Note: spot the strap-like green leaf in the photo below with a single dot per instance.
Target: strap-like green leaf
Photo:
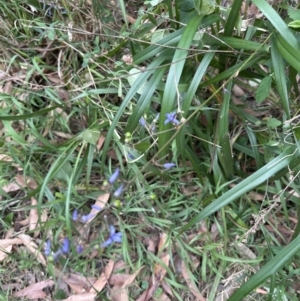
(268, 270)
(277, 22)
(251, 182)
(173, 79)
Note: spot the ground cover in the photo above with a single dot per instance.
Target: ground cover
(149, 150)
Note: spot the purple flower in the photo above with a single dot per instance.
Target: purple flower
(47, 250)
(96, 207)
(169, 165)
(142, 122)
(114, 176)
(79, 249)
(75, 215)
(130, 156)
(57, 254)
(171, 117)
(66, 246)
(118, 192)
(87, 217)
(113, 237)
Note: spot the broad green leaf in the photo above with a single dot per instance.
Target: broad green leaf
(134, 73)
(294, 13)
(263, 89)
(204, 7)
(91, 136)
(142, 146)
(295, 24)
(273, 123)
(186, 5)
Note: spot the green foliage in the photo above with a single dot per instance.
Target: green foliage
(87, 88)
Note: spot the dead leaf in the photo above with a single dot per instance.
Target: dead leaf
(147, 294)
(130, 19)
(8, 87)
(167, 288)
(163, 297)
(88, 281)
(9, 233)
(25, 182)
(6, 158)
(4, 252)
(254, 196)
(162, 242)
(119, 294)
(131, 278)
(6, 246)
(33, 216)
(11, 187)
(100, 202)
(63, 135)
(160, 271)
(261, 291)
(12, 241)
(100, 142)
(82, 297)
(33, 290)
(104, 277)
(118, 279)
(214, 232)
(190, 283)
(76, 284)
(244, 251)
(120, 265)
(24, 222)
(32, 248)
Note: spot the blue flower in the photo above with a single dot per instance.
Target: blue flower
(87, 217)
(96, 207)
(130, 156)
(114, 176)
(169, 165)
(171, 117)
(118, 192)
(66, 246)
(57, 254)
(113, 237)
(142, 122)
(79, 249)
(47, 250)
(75, 215)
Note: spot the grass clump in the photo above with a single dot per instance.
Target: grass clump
(149, 150)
